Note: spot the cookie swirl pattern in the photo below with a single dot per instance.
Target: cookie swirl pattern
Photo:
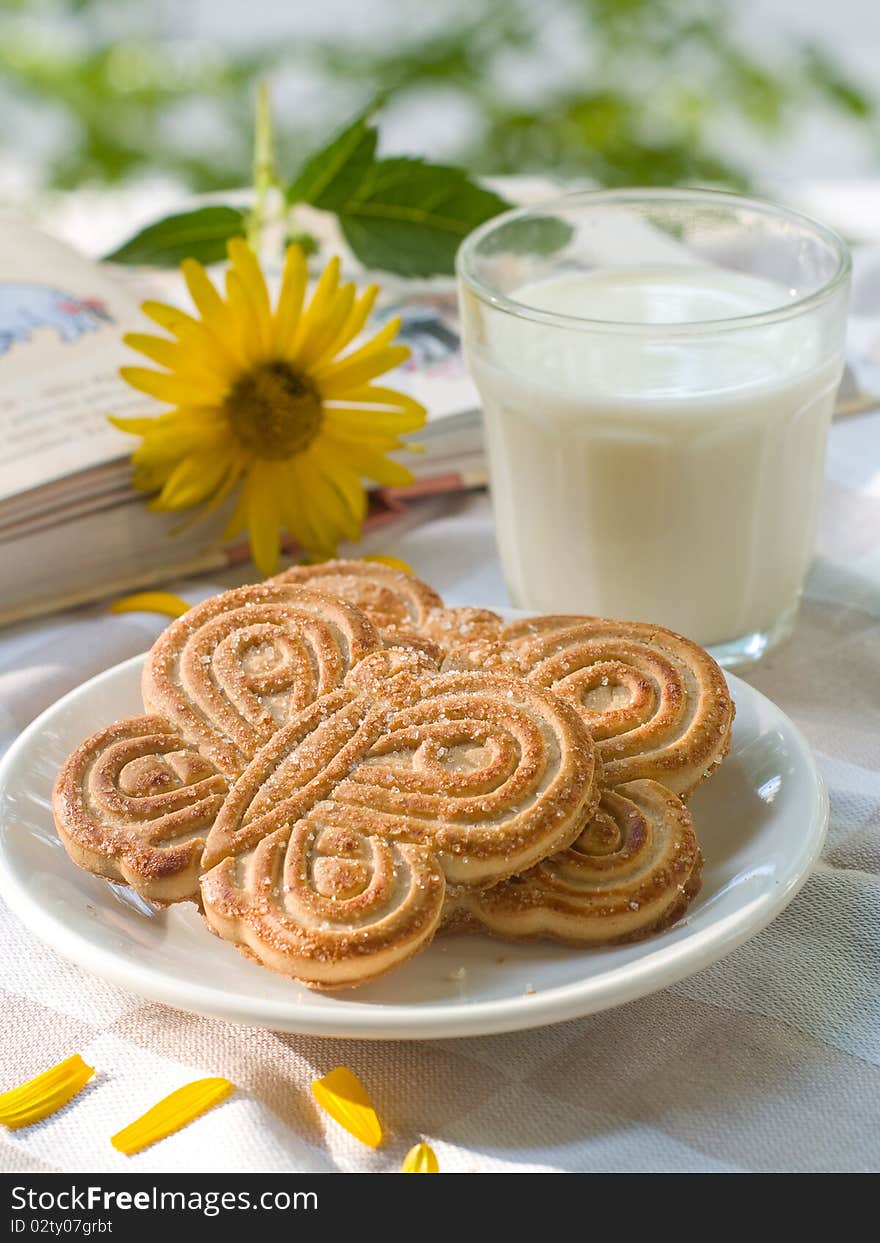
(632, 872)
(390, 598)
(490, 772)
(234, 669)
(219, 682)
(466, 778)
(325, 903)
(134, 803)
(657, 705)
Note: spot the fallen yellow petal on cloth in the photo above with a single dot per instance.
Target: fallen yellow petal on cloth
(171, 1114)
(395, 563)
(151, 602)
(421, 1159)
(45, 1093)
(342, 1095)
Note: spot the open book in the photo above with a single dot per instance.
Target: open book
(72, 528)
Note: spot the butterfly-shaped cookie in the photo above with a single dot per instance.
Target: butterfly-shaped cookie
(317, 790)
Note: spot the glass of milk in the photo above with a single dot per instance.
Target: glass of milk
(657, 370)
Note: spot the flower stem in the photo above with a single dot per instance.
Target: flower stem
(264, 166)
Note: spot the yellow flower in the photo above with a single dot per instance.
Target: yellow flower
(421, 1159)
(45, 1093)
(345, 1099)
(276, 403)
(171, 1114)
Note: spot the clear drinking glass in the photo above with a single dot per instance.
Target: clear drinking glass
(657, 370)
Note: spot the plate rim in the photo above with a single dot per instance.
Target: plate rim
(457, 1018)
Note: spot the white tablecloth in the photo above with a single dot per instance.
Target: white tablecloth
(769, 1060)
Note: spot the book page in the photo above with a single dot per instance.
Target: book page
(62, 317)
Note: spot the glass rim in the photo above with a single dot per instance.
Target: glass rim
(464, 261)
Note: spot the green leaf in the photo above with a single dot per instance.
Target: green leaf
(409, 217)
(201, 234)
(332, 175)
(840, 90)
(307, 242)
(402, 215)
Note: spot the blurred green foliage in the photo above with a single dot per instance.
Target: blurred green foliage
(622, 91)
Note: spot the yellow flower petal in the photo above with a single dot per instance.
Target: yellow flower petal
(162, 456)
(370, 395)
(245, 263)
(247, 325)
(335, 380)
(320, 302)
(203, 291)
(325, 330)
(352, 324)
(348, 503)
(323, 519)
(192, 363)
(370, 465)
(381, 341)
(132, 426)
(169, 386)
(44, 1094)
(348, 500)
(171, 318)
(292, 509)
(217, 323)
(181, 447)
(264, 529)
(149, 478)
(186, 420)
(151, 602)
(393, 423)
(383, 338)
(226, 485)
(395, 563)
(301, 509)
(158, 349)
(259, 510)
(342, 1095)
(290, 299)
(421, 1159)
(171, 1113)
(343, 501)
(194, 480)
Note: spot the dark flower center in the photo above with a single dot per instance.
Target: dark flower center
(273, 410)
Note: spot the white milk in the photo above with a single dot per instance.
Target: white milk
(671, 478)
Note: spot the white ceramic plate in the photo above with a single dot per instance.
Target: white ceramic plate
(761, 822)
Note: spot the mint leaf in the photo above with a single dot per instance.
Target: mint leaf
(201, 234)
(332, 175)
(402, 215)
(408, 216)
